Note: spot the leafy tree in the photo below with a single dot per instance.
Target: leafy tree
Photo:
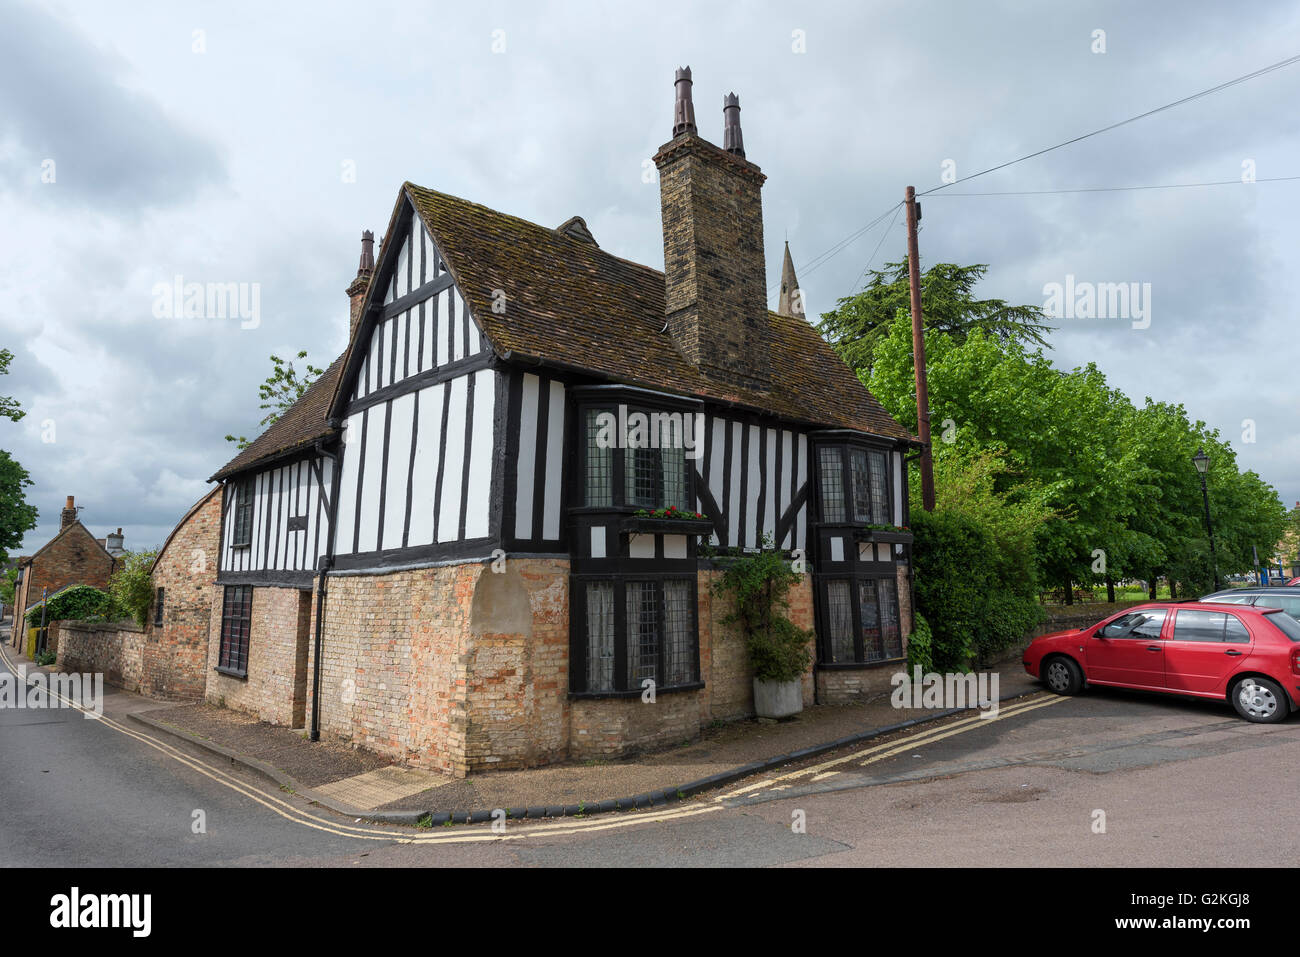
(282, 388)
(948, 305)
(130, 585)
(1124, 499)
(17, 518)
(9, 406)
(8, 584)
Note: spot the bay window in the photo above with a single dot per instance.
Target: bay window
(854, 485)
(635, 457)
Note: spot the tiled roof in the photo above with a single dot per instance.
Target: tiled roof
(571, 303)
(301, 426)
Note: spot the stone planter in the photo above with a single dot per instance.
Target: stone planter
(777, 699)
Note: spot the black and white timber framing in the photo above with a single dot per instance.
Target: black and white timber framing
(450, 452)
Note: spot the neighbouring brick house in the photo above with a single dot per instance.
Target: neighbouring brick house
(72, 557)
(176, 634)
(462, 495)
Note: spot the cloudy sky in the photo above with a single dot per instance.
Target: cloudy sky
(251, 143)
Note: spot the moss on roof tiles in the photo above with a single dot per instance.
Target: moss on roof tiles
(569, 302)
(572, 303)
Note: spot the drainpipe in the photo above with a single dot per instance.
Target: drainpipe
(321, 590)
(326, 563)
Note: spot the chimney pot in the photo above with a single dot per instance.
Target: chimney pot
(732, 141)
(684, 110)
(365, 269)
(367, 252)
(68, 515)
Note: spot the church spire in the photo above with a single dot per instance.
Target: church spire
(791, 301)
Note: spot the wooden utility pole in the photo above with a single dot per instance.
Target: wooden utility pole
(918, 353)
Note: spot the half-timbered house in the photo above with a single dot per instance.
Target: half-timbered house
(465, 519)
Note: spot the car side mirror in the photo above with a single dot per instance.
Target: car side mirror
(1100, 633)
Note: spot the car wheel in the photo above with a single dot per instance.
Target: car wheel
(1063, 676)
(1260, 700)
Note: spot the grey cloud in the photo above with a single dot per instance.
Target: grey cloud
(112, 147)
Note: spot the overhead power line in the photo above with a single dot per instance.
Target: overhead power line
(1124, 189)
(1132, 119)
(812, 265)
(880, 242)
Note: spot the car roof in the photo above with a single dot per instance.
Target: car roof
(1194, 602)
(1255, 590)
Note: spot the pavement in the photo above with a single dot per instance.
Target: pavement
(363, 785)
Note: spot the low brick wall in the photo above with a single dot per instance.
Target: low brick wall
(128, 658)
(1064, 617)
(114, 650)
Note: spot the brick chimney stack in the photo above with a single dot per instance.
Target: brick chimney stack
(69, 514)
(714, 266)
(365, 269)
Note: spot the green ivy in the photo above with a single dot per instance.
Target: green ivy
(920, 645)
(759, 584)
(77, 603)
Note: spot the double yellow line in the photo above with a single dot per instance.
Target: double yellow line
(887, 750)
(568, 826)
(304, 817)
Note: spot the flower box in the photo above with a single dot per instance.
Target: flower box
(885, 536)
(667, 526)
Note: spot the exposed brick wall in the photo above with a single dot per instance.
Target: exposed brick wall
(395, 662)
(274, 658)
(186, 571)
(462, 669)
(517, 679)
(72, 557)
(117, 651)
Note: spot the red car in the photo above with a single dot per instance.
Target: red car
(1247, 654)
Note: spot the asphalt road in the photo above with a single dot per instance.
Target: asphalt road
(1179, 782)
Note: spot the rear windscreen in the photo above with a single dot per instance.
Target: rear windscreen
(1285, 624)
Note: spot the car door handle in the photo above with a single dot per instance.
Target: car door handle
(1153, 647)
(1231, 652)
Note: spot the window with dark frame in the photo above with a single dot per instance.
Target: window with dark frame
(660, 639)
(242, 534)
(600, 465)
(854, 485)
(642, 476)
(236, 621)
(158, 606)
(861, 621)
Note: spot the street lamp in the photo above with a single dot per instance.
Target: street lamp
(1202, 463)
